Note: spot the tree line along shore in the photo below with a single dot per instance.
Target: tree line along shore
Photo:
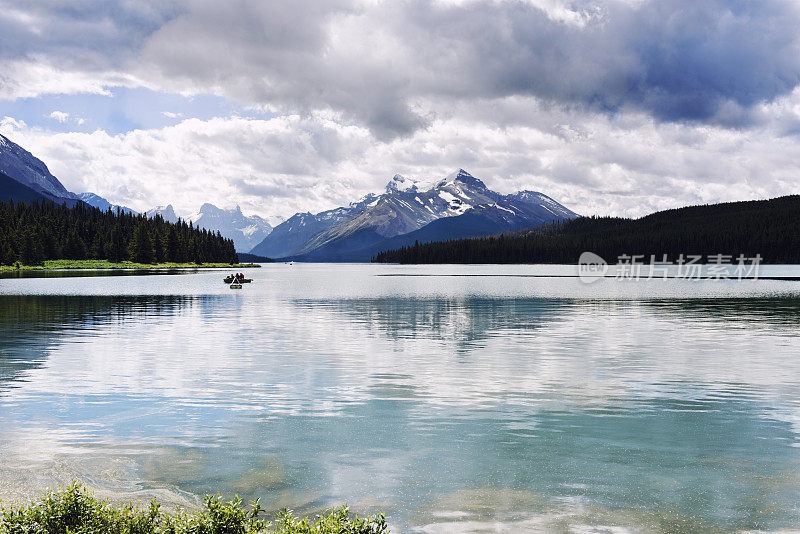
(767, 228)
(34, 233)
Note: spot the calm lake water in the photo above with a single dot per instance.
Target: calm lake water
(453, 402)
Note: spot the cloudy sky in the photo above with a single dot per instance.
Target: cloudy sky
(610, 106)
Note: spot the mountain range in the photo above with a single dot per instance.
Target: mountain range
(459, 205)
(246, 231)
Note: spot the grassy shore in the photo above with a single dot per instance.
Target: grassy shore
(73, 510)
(105, 264)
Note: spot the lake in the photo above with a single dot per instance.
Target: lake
(454, 398)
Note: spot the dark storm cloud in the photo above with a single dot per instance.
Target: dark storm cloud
(697, 56)
(680, 60)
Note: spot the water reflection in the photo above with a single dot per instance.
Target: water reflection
(472, 318)
(83, 273)
(30, 325)
(777, 314)
(463, 321)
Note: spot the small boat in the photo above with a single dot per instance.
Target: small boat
(236, 286)
(230, 280)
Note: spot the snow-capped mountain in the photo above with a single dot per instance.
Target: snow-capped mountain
(246, 232)
(22, 166)
(291, 235)
(400, 183)
(99, 202)
(467, 207)
(167, 213)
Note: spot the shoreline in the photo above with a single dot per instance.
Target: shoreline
(59, 265)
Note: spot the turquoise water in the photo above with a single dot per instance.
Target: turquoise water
(453, 402)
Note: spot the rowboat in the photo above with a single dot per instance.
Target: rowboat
(231, 279)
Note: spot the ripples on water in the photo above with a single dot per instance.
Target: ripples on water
(456, 404)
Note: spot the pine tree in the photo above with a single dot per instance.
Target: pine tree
(172, 250)
(140, 249)
(75, 247)
(32, 250)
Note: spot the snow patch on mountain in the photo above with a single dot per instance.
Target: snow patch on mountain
(401, 184)
(461, 178)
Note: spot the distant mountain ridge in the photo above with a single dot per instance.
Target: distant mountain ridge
(460, 205)
(99, 202)
(246, 231)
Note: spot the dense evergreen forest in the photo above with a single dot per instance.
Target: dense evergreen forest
(770, 228)
(34, 232)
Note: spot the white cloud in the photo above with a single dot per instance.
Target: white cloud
(63, 117)
(60, 116)
(11, 124)
(29, 79)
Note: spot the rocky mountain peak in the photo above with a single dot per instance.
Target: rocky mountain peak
(400, 183)
(462, 177)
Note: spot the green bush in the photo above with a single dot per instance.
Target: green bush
(74, 510)
(336, 520)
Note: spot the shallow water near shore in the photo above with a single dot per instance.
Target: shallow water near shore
(454, 398)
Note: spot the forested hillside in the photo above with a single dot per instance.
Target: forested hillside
(770, 228)
(38, 231)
